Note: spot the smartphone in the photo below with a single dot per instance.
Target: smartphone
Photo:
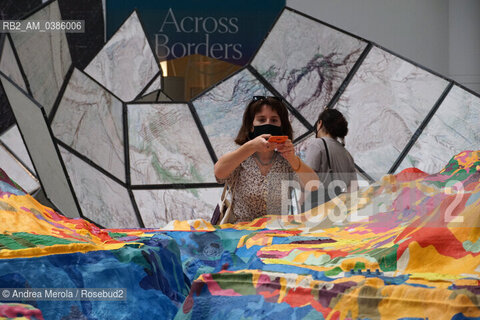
(278, 139)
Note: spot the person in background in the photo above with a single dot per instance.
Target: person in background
(329, 158)
(257, 167)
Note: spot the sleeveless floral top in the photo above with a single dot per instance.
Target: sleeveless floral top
(254, 194)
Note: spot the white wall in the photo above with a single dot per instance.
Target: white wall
(464, 46)
(442, 35)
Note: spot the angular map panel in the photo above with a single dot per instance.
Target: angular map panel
(13, 141)
(454, 127)
(385, 103)
(39, 142)
(101, 199)
(306, 61)
(126, 63)
(9, 65)
(158, 207)
(90, 120)
(44, 56)
(166, 146)
(17, 172)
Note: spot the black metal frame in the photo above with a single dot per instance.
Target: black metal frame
(59, 98)
(17, 158)
(349, 76)
(290, 108)
(3, 39)
(142, 93)
(203, 133)
(35, 10)
(430, 113)
(26, 16)
(420, 129)
(17, 58)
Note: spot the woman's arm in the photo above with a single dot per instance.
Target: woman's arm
(308, 178)
(230, 161)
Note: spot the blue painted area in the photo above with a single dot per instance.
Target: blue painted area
(244, 307)
(150, 273)
(460, 316)
(5, 187)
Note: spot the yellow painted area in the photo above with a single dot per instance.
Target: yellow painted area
(428, 258)
(434, 303)
(57, 249)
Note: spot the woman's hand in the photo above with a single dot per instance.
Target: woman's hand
(261, 144)
(287, 151)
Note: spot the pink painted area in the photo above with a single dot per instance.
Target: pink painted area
(272, 254)
(14, 311)
(463, 156)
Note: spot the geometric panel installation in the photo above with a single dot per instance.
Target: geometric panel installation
(306, 61)
(166, 146)
(15, 161)
(12, 139)
(31, 119)
(16, 171)
(10, 66)
(454, 127)
(101, 199)
(384, 104)
(159, 207)
(221, 108)
(44, 56)
(126, 64)
(156, 85)
(90, 120)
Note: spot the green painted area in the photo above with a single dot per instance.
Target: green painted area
(45, 240)
(270, 73)
(313, 315)
(472, 247)
(359, 266)
(22, 240)
(386, 257)
(8, 243)
(240, 283)
(130, 253)
(170, 177)
(317, 261)
(230, 239)
(333, 272)
(6, 207)
(116, 235)
(461, 175)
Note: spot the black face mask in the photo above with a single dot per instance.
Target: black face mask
(265, 129)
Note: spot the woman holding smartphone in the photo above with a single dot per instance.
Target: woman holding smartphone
(258, 166)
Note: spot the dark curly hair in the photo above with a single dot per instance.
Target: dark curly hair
(253, 108)
(334, 123)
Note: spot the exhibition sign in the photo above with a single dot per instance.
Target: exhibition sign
(226, 30)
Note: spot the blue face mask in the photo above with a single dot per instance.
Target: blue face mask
(265, 129)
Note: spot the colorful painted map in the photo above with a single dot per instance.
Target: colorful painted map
(406, 247)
